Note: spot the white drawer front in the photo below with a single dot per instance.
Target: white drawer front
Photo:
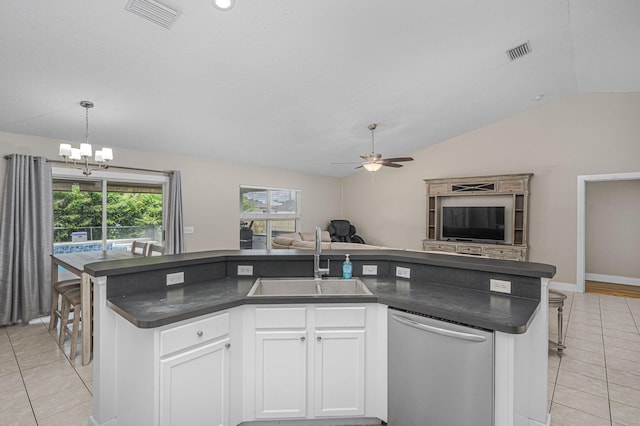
(341, 317)
(281, 317)
(184, 336)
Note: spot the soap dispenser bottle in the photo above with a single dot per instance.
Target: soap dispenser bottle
(347, 267)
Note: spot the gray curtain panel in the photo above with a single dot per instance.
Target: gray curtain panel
(174, 225)
(26, 240)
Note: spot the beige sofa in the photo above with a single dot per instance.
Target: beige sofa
(307, 240)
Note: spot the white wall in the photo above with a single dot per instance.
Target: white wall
(210, 188)
(580, 135)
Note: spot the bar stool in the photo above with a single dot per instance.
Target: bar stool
(556, 300)
(71, 299)
(58, 288)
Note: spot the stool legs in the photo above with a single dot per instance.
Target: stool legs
(53, 319)
(66, 310)
(71, 298)
(560, 345)
(74, 333)
(556, 300)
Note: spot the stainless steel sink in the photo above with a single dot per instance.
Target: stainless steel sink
(265, 287)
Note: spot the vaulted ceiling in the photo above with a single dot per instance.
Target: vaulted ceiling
(293, 84)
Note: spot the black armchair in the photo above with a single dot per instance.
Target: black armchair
(343, 231)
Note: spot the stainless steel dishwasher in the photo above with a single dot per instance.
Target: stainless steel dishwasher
(440, 373)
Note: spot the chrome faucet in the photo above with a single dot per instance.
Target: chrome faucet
(318, 272)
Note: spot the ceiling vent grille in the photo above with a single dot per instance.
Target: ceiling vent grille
(519, 51)
(154, 11)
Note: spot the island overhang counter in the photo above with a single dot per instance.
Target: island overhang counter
(452, 288)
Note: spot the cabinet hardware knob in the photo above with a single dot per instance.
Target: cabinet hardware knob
(319, 338)
(227, 345)
(200, 333)
(302, 339)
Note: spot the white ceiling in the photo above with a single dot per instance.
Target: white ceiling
(293, 84)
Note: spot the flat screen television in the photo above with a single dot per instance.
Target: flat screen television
(482, 224)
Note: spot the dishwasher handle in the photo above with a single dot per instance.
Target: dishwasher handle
(437, 330)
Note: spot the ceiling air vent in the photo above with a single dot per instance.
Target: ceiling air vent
(154, 11)
(519, 51)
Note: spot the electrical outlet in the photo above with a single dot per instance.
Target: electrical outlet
(245, 270)
(403, 272)
(500, 286)
(175, 278)
(188, 230)
(369, 269)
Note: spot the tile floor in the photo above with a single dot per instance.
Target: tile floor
(38, 383)
(596, 382)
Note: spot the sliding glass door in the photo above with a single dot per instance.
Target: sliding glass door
(93, 215)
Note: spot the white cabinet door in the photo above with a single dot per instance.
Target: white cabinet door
(194, 386)
(339, 373)
(281, 374)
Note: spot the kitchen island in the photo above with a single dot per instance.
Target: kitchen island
(159, 334)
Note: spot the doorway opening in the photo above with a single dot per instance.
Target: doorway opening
(581, 219)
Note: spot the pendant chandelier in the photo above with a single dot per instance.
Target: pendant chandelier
(78, 158)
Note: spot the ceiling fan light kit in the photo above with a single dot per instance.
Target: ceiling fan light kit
(372, 167)
(374, 161)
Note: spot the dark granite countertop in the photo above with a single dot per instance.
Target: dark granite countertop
(481, 309)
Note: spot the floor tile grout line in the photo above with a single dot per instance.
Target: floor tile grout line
(61, 348)
(22, 378)
(632, 316)
(20, 369)
(593, 415)
(560, 362)
(606, 373)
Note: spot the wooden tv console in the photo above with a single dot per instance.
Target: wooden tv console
(515, 185)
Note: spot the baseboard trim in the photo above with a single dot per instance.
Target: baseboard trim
(557, 285)
(615, 279)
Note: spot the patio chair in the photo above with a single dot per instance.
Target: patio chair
(138, 247)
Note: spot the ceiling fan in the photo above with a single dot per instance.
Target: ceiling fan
(374, 161)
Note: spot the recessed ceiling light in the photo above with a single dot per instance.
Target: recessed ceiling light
(223, 5)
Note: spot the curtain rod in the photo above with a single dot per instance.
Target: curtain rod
(166, 172)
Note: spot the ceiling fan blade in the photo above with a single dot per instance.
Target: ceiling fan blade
(360, 166)
(391, 165)
(397, 159)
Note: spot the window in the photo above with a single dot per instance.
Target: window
(265, 213)
(81, 223)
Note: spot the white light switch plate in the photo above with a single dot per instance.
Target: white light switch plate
(403, 272)
(369, 269)
(188, 230)
(500, 286)
(175, 278)
(245, 270)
